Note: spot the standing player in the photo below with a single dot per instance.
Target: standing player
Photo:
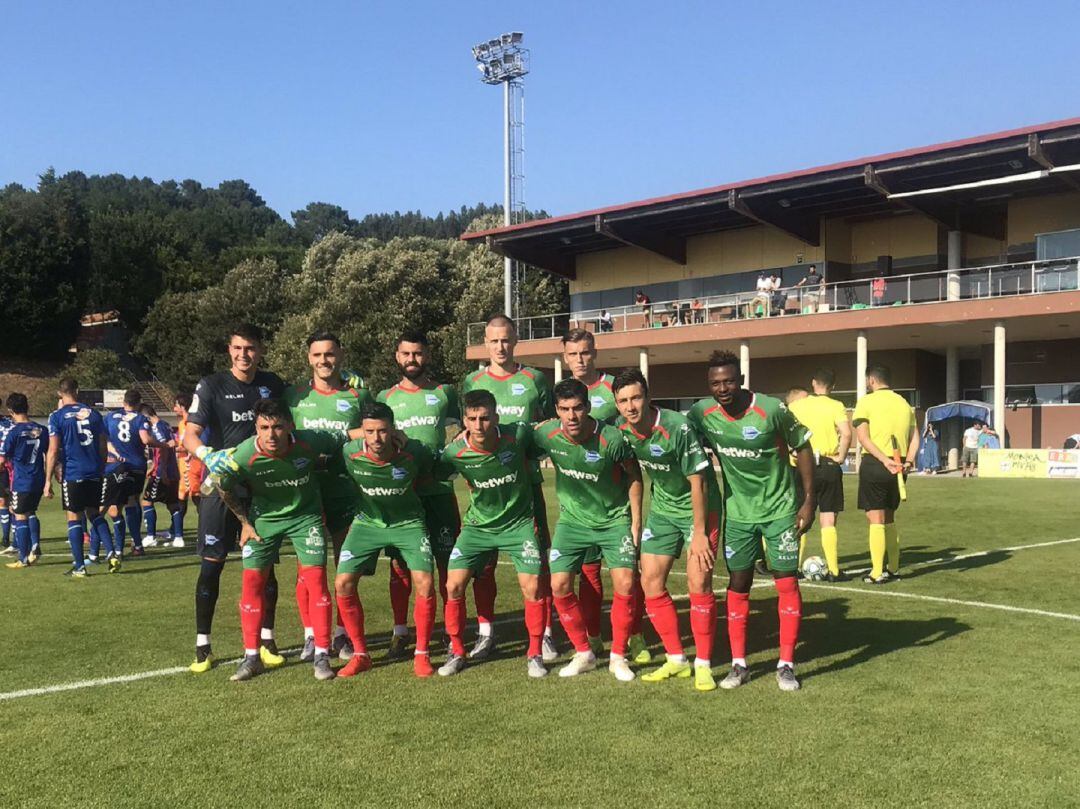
(885, 425)
(598, 483)
(495, 462)
(423, 409)
(125, 471)
(277, 468)
(223, 405)
(830, 439)
(390, 519)
(77, 432)
(751, 434)
(23, 452)
(327, 402)
(163, 480)
(579, 357)
(192, 470)
(685, 508)
(522, 395)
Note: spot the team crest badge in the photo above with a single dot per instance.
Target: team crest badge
(750, 433)
(301, 463)
(431, 399)
(597, 401)
(656, 450)
(517, 389)
(128, 416)
(506, 457)
(343, 406)
(264, 392)
(84, 413)
(554, 555)
(346, 556)
(398, 473)
(592, 456)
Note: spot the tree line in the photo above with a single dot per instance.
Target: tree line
(180, 261)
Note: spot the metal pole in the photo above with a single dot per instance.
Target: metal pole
(508, 264)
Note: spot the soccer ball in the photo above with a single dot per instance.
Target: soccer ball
(814, 568)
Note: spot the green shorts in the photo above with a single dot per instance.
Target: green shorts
(443, 521)
(573, 543)
(476, 548)
(742, 544)
(308, 541)
(339, 513)
(364, 543)
(666, 536)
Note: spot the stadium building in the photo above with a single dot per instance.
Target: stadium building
(954, 264)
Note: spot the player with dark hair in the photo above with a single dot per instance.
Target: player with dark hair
(77, 435)
(390, 519)
(579, 357)
(423, 409)
(598, 483)
(277, 467)
(328, 402)
(752, 435)
(523, 396)
(125, 472)
(830, 438)
(162, 480)
(22, 450)
(885, 426)
(222, 409)
(495, 462)
(685, 509)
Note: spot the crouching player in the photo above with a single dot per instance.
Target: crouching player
(598, 484)
(751, 435)
(390, 519)
(685, 508)
(277, 467)
(22, 451)
(496, 462)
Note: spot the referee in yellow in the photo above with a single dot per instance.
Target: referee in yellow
(830, 438)
(884, 423)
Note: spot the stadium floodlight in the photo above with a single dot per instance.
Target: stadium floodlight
(504, 61)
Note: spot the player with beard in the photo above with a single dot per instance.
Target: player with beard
(329, 403)
(423, 409)
(579, 358)
(222, 410)
(522, 396)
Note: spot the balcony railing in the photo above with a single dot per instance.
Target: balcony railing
(999, 280)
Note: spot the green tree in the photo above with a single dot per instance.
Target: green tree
(99, 368)
(319, 219)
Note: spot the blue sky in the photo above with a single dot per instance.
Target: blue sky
(377, 106)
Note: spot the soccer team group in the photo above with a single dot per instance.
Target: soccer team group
(328, 468)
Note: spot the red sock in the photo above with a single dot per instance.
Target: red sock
(738, 608)
(424, 618)
(322, 614)
(591, 597)
(534, 625)
(484, 592)
(666, 622)
(302, 600)
(703, 623)
(351, 613)
(572, 621)
(400, 589)
(455, 624)
(637, 608)
(789, 608)
(251, 606)
(622, 618)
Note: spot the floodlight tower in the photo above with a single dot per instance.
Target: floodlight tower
(504, 61)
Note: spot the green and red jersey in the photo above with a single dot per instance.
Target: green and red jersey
(590, 480)
(423, 414)
(523, 397)
(285, 492)
(752, 448)
(602, 400)
(669, 450)
(387, 489)
(338, 411)
(500, 486)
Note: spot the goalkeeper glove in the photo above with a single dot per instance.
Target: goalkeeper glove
(218, 461)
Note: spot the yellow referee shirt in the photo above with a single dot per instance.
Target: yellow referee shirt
(890, 418)
(821, 414)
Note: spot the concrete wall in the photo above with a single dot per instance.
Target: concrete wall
(1033, 215)
(1041, 427)
(1032, 363)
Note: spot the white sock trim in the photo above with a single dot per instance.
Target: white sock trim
(319, 650)
(309, 632)
(702, 663)
(483, 628)
(202, 640)
(266, 633)
(739, 661)
(400, 630)
(780, 664)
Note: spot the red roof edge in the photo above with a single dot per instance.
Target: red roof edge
(701, 192)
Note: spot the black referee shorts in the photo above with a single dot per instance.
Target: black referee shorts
(878, 487)
(219, 530)
(828, 486)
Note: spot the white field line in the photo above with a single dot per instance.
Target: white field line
(946, 559)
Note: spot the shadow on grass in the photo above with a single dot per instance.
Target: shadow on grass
(957, 565)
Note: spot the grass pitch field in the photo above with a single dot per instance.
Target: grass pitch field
(954, 687)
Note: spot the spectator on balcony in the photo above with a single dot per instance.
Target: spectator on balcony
(697, 311)
(760, 305)
(877, 290)
(605, 321)
(645, 302)
(812, 287)
(778, 295)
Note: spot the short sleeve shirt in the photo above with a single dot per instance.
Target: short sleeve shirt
(889, 418)
(821, 415)
(423, 414)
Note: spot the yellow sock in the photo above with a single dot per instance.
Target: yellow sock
(877, 550)
(892, 547)
(830, 544)
(802, 550)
